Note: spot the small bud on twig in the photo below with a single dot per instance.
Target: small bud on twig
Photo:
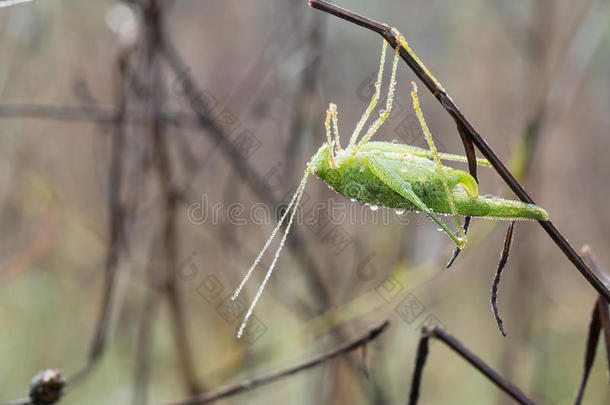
(46, 388)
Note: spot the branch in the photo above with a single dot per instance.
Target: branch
(116, 222)
(600, 322)
(153, 18)
(438, 333)
(95, 113)
(467, 130)
(247, 385)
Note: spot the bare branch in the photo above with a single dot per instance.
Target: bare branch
(115, 209)
(95, 113)
(247, 385)
(153, 17)
(455, 345)
(494, 288)
(600, 321)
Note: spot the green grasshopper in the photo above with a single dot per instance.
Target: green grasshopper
(403, 177)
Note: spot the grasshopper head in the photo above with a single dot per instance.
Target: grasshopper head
(321, 160)
(324, 168)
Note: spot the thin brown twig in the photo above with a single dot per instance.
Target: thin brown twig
(153, 14)
(455, 345)
(599, 323)
(247, 385)
(94, 113)
(590, 351)
(468, 130)
(494, 287)
(116, 239)
(142, 371)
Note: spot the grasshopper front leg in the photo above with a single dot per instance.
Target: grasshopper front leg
(393, 180)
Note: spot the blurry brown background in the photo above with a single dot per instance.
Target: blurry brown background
(532, 76)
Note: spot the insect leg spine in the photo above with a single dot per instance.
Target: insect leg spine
(333, 110)
(329, 113)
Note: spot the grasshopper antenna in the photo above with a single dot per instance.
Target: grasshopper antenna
(298, 195)
(291, 209)
(270, 239)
